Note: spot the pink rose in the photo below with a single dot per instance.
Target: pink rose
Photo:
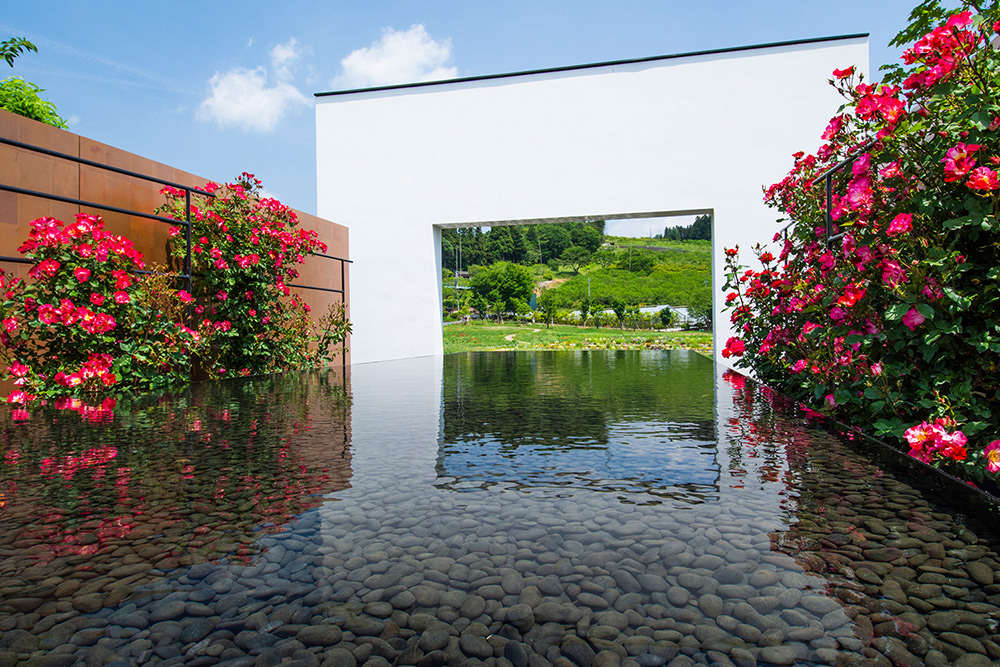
(913, 319)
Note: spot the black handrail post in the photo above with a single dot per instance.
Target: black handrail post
(829, 201)
(343, 343)
(187, 242)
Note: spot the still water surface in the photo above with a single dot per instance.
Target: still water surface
(600, 508)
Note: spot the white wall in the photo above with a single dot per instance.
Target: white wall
(700, 132)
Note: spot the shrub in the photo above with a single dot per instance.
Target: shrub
(86, 323)
(22, 97)
(891, 326)
(245, 249)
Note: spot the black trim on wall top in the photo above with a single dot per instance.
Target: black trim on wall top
(570, 68)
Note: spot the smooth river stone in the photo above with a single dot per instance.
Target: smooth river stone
(711, 605)
(520, 616)
(475, 646)
(678, 596)
(980, 572)
(433, 639)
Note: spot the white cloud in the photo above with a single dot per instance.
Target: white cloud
(400, 56)
(243, 98)
(282, 57)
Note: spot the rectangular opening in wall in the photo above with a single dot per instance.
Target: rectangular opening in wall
(579, 283)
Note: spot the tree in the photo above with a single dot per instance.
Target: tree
(637, 261)
(605, 257)
(547, 306)
(668, 318)
(620, 307)
(575, 256)
(506, 244)
(700, 308)
(13, 47)
(700, 229)
(505, 286)
(584, 311)
(554, 240)
(20, 96)
(586, 236)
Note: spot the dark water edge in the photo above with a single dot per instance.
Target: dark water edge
(600, 508)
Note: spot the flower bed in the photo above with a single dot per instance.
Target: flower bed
(90, 321)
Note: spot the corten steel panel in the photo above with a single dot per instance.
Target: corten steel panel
(27, 169)
(104, 186)
(36, 172)
(323, 272)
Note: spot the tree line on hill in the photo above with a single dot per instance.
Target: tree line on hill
(593, 275)
(527, 245)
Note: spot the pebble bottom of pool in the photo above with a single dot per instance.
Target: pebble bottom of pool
(567, 508)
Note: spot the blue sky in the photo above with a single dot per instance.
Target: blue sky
(216, 88)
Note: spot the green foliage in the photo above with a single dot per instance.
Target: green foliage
(13, 47)
(586, 236)
(532, 244)
(584, 310)
(893, 328)
(640, 261)
(605, 257)
(547, 306)
(502, 288)
(21, 97)
(245, 249)
(700, 229)
(575, 256)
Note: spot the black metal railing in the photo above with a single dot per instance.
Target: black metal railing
(188, 190)
(827, 178)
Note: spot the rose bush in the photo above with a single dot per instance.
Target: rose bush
(245, 251)
(86, 322)
(890, 323)
(90, 321)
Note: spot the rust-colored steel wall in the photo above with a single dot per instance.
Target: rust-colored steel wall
(30, 170)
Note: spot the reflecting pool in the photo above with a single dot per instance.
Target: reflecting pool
(511, 508)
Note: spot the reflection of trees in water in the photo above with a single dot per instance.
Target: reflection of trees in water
(557, 395)
(175, 480)
(588, 419)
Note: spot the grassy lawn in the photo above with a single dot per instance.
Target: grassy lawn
(490, 336)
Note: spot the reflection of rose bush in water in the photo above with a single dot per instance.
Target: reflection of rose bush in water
(176, 482)
(853, 529)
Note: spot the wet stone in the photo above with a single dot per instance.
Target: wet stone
(433, 639)
(475, 646)
(711, 605)
(578, 650)
(521, 617)
(319, 635)
(778, 655)
(980, 572)
(678, 596)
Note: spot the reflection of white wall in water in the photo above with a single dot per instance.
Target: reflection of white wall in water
(395, 416)
(678, 135)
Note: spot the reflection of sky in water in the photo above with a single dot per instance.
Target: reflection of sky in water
(643, 456)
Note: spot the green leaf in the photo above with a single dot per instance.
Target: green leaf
(956, 223)
(896, 311)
